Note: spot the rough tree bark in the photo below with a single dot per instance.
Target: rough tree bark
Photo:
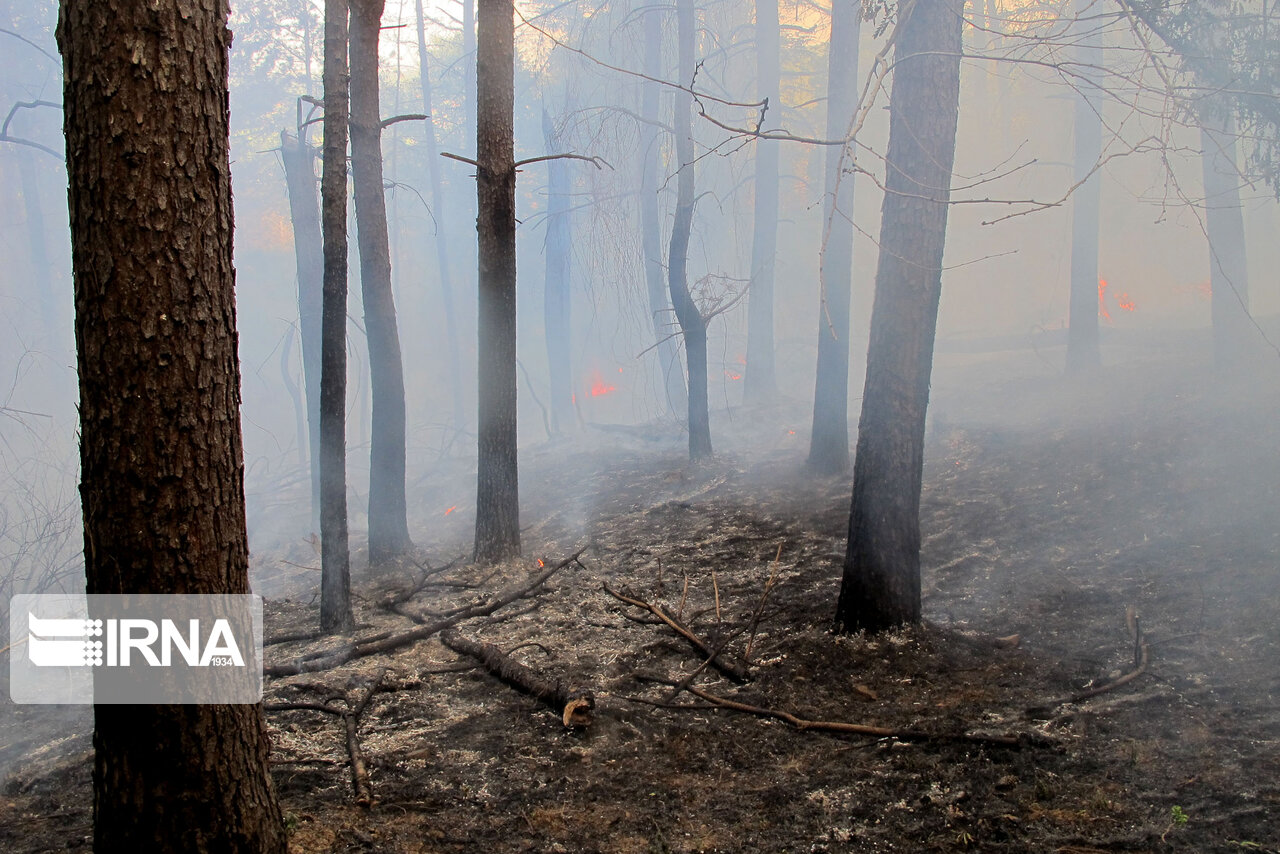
(443, 226)
(162, 470)
(335, 554)
(692, 324)
(672, 379)
(556, 301)
(829, 437)
(881, 585)
(760, 382)
(1082, 332)
(497, 481)
(308, 249)
(388, 513)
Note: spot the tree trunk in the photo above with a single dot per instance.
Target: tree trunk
(556, 295)
(308, 250)
(1082, 333)
(443, 227)
(497, 483)
(38, 246)
(829, 439)
(388, 525)
(335, 555)
(881, 586)
(162, 467)
(672, 378)
(692, 325)
(760, 382)
(1224, 222)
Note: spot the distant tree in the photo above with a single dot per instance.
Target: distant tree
(556, 279)
(829, 440)
(761, 380)
(693, 326)
(1082, 332)
(335, 554)
(650, 227)
(497, 484)
(388, 519)
(881, 585)
(162, 471)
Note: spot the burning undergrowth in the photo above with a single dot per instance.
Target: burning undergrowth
(1041, 532)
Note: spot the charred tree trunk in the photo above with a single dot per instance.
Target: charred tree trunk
(557, 277)
(829, 440)
(388, 514)
(497, 483)
(692, 324)
(1224, 222)
(1082, 333)
(761, 381)
(442, 227)
(881, 586)
(335, 554)
(162, 471)
(308, 250)
(651, 228)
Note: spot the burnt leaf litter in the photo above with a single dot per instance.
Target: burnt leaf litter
(1050, 534)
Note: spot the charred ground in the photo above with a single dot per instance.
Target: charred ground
(1050, 507)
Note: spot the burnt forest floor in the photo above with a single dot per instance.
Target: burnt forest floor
(1051, 507)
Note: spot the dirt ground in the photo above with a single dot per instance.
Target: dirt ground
(1050, 508)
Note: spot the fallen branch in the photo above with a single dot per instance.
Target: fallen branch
(735, 671)
(370, 646)
(1141, 658)
(575, 705)
(1018, 740)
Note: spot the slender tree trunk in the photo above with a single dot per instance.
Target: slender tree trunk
(1224, 222)
(497, 485)
(1082, 333)
(761, 379)
(881, 586)
(308, 250)
(651, 228)
(162, 466)
(557, 276)
(335, 555)
(388, 525)
(692, 325)
(443, 228)
(829, 440)
(38, 246)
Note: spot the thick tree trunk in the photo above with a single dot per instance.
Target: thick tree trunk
(443, 227)
(1224, 222)
(664, 323)
(692, 325)
(881, 586)
(556, 300)
(1082, 334)
(162, 470)
(388, 520)
(308, 250)
(335, 555)
(829, 440)
(497, 483)
(761, 382)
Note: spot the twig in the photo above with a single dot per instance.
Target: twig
(1142, 657)
(734, 671)
(764, 597)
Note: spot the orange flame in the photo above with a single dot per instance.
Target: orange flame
(598, 385)
(540, 563)
(1102, 300)
(451, 509)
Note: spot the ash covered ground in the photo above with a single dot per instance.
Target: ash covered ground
(1051, 508)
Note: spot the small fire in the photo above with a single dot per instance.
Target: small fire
(1123, 301)
(731, 375)
(540, 563)
(598, 385)
(451, 509)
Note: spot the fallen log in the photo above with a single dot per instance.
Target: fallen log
(575, 705)
(1015, 741)
(387, 643)
(735, 671)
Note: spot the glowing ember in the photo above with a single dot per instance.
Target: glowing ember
(451, 509)
(598, 386)
(540, 563)
(732, 375)
(1122, 299)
